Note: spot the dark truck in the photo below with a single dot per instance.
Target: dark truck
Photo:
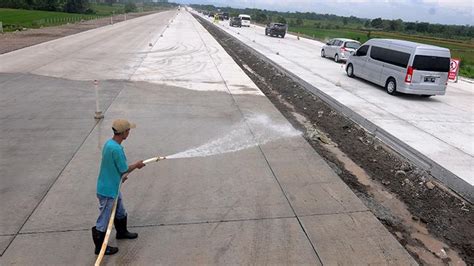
(235, 22)
(276, 29)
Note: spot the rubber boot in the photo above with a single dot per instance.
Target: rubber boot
(121, 227)
(98, 238)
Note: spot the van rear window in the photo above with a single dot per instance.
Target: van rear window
(245, 18)
(431, 63)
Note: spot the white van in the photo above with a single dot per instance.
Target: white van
(402, 66)
(245, 20)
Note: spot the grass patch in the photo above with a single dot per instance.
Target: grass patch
(17, 19)
(107, 10)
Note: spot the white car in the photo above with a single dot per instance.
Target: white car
(340, 49)
(245, 20)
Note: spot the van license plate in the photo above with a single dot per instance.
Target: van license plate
(430, 79)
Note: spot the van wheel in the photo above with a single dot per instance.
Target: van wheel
(391, 86)
(323, 54)
(350, 70)
(336, 58)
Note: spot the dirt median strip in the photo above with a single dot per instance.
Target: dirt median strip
(431, 222)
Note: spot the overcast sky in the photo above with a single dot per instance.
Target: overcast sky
(459, 12)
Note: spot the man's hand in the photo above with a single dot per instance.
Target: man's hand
(136, 165)
(139, 164)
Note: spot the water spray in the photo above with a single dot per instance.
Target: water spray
(254, 131)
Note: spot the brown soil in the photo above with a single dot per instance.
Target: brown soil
(432, 223)
(11, 41)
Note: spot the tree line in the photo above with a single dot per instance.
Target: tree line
(69, 6)
(328, 21)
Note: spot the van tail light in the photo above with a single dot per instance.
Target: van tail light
(343, 49)
(409, 75)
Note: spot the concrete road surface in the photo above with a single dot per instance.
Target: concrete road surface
(273, 203)
(436, 133)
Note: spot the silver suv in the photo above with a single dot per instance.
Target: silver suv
(339, 48)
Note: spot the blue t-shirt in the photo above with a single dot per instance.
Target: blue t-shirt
(112, 167)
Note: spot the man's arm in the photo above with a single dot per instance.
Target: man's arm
(121, 163)
(136, 165)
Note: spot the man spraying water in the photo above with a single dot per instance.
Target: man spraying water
(112, 168)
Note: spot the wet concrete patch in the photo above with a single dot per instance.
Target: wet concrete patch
(44, 122)
(169, 119)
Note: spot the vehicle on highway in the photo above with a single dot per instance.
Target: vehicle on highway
(225, 15)
(220, 16)
(340, 49)
(402, 66)
(276, 29)
(235, 22)
(245, 20)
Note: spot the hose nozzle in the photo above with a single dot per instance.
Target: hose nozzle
(154, 159)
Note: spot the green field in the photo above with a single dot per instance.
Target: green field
(117, 8)
(106, 10)
(459, 49)
(17, 19)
